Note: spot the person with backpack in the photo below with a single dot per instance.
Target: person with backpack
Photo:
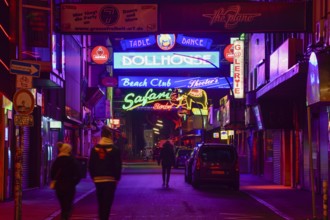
(105, 166)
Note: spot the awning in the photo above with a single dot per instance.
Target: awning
(289, 85)
(48, 80)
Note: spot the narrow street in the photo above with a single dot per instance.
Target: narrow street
(140, 195)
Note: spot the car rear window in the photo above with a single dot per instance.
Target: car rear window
(217, 154)
(184, 152)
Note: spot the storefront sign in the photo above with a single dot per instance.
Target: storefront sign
(138, 42)
(165, 60)
(173, 82)
(100, 54)
(194, 42)
(36, 27)
(132, 100)
(82, 18)
(228, 53)
(238, 77)
(239, 17)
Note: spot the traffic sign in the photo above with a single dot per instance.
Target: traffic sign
(23, 82)
(23, 120)
(23, 102)
(24, 68)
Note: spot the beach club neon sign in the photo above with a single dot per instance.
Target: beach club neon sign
(174, 82)
(165, 60)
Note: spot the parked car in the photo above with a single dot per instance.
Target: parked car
(181, 156)
(215, 163)
(188, 165)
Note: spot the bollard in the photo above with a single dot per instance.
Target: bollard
(325, 199)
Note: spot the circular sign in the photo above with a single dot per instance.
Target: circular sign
(23, 102)
(229, 53)
(166, 41)
(100, 54)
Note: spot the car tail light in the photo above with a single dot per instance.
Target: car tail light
(198, 163)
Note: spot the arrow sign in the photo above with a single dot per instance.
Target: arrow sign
(24, 68)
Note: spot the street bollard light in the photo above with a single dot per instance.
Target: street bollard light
(325, 199)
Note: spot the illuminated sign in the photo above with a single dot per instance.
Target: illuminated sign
(100, 54)
(175, 99)
(164, 60)
(166, 41)
(55, 124)
(194, 42)
(238, 87)
(138, 42)
(228, 53)
(132, 100)
(173, 82)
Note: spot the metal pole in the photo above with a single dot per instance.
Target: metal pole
(18, 173)
(311, 168)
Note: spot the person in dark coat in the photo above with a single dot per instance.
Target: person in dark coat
(167, 159)
(66, 171)
(105, 166)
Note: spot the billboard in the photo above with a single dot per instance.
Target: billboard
(95, 18)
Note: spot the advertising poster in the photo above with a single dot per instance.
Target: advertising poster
(94, 18)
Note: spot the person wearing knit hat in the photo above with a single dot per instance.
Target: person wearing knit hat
(105, 165)
(66, 173)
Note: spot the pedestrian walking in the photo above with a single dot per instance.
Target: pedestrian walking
(167, 159)
(65, 174)
(105, 169)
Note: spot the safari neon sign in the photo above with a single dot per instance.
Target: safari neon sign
(166, 60)
(132, 100)
(174, 98)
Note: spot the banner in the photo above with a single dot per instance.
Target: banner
(94, 18)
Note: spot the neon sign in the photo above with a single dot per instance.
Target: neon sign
(100, 54)
(175, 99)
(194, 42)
(238, 69)
(173, 82)
(132, 100)
(138, 42)
(165, 60)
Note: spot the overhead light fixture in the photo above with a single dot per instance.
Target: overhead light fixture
(159, 125)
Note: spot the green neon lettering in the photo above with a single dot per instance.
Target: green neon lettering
(131, 101)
